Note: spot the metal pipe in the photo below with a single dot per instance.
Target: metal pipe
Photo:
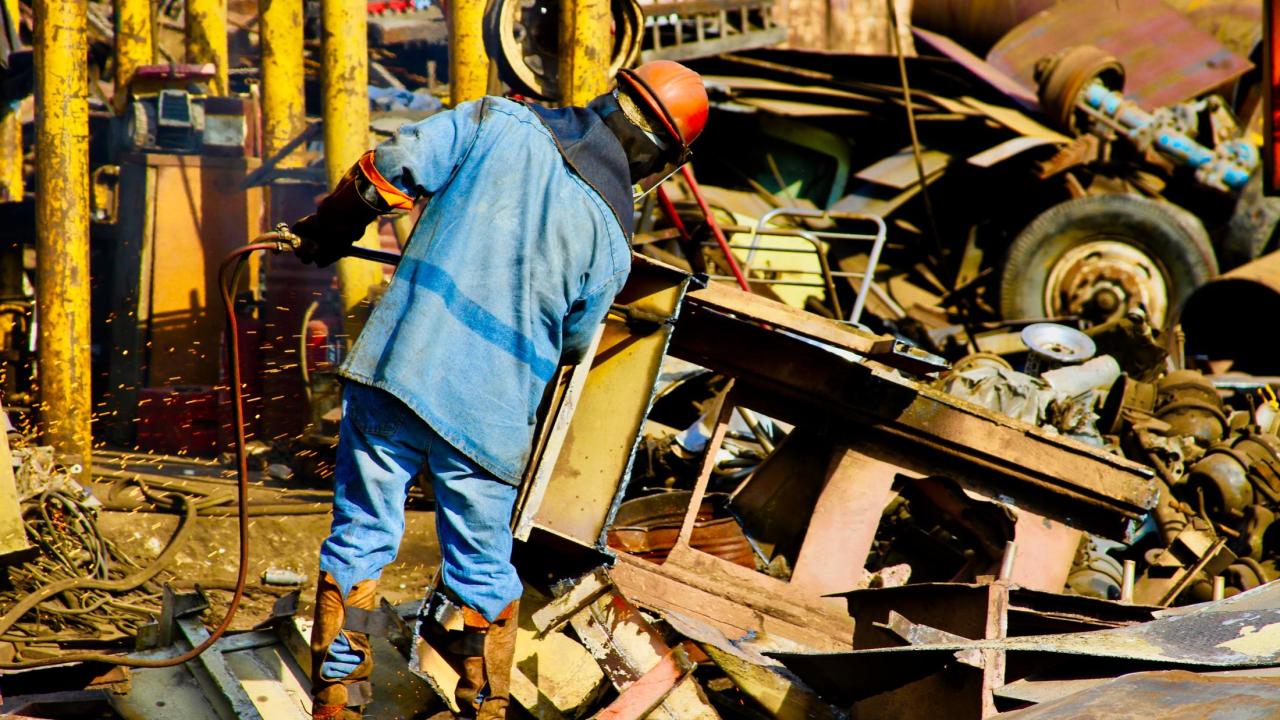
(586, 42)
(62, 226)
(11, 181)
(284, 114)
(710, 217)
(345, 86)
(468, 62)
(134, 46)
(207, 38)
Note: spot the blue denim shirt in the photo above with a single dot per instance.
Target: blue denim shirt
(508, 273)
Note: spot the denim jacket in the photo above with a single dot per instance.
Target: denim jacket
(508, 273)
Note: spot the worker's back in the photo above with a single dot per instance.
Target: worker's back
(515, 260)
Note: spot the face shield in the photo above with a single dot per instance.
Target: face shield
(673, 152)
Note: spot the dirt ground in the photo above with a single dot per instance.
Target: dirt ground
(275, 542)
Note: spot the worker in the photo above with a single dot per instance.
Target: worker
(518, 254)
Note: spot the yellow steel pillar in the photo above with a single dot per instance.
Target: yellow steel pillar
(468, 62)
(284, 114)
(585, 48)
(10, 141)
(133, 44)
(62, 224)
(207, 38)
(11, 188)
(345, 60)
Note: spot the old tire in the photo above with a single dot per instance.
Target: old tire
(1098, 255)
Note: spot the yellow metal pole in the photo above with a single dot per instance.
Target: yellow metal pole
(207, 38)
(468, 62)
(134, 46)
(585, 49)
(345, 59)
(62, 224)
(11, 188)
(284, 114)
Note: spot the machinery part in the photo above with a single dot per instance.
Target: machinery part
(1221, 319)
(1081, 90)
(1237, 483)
(1099, 256)
(1171, 131)
(1189, 403)
(1052, 346)
(523, 38)
(1062, 79)
(1129, 396)
(1095, 573)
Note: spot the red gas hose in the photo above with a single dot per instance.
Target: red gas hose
(274, 241)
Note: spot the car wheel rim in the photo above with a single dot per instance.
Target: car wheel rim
(1101, 278)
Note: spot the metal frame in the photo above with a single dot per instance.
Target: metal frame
(814, 237)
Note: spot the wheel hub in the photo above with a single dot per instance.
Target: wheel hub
(1098, 279)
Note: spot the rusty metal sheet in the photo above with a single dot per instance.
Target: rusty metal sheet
(1167, 59)
(981, 69)
(1170, 695)
(1209, 638)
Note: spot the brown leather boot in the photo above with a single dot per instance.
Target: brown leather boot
(481, 652)
(499, 655)
(343, 698)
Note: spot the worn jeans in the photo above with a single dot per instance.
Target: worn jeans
(381, 446)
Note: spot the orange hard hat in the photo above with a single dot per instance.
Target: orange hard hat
(673, 93)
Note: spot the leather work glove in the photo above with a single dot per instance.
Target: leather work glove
(341, 217)
(324, 239)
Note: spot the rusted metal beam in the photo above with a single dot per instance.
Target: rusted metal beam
(62, 225)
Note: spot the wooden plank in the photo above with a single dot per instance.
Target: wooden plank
(645, 694)
(731, 301)
(627, 647)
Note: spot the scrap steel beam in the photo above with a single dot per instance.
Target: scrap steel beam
(62, 225)
(345, 61)
(912, 425)
(207, 38)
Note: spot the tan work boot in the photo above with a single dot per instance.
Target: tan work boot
(481, 652)
(343, 698)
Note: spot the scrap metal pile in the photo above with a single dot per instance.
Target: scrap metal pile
(985, 429)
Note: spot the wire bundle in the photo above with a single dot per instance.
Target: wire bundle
(75, 554)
